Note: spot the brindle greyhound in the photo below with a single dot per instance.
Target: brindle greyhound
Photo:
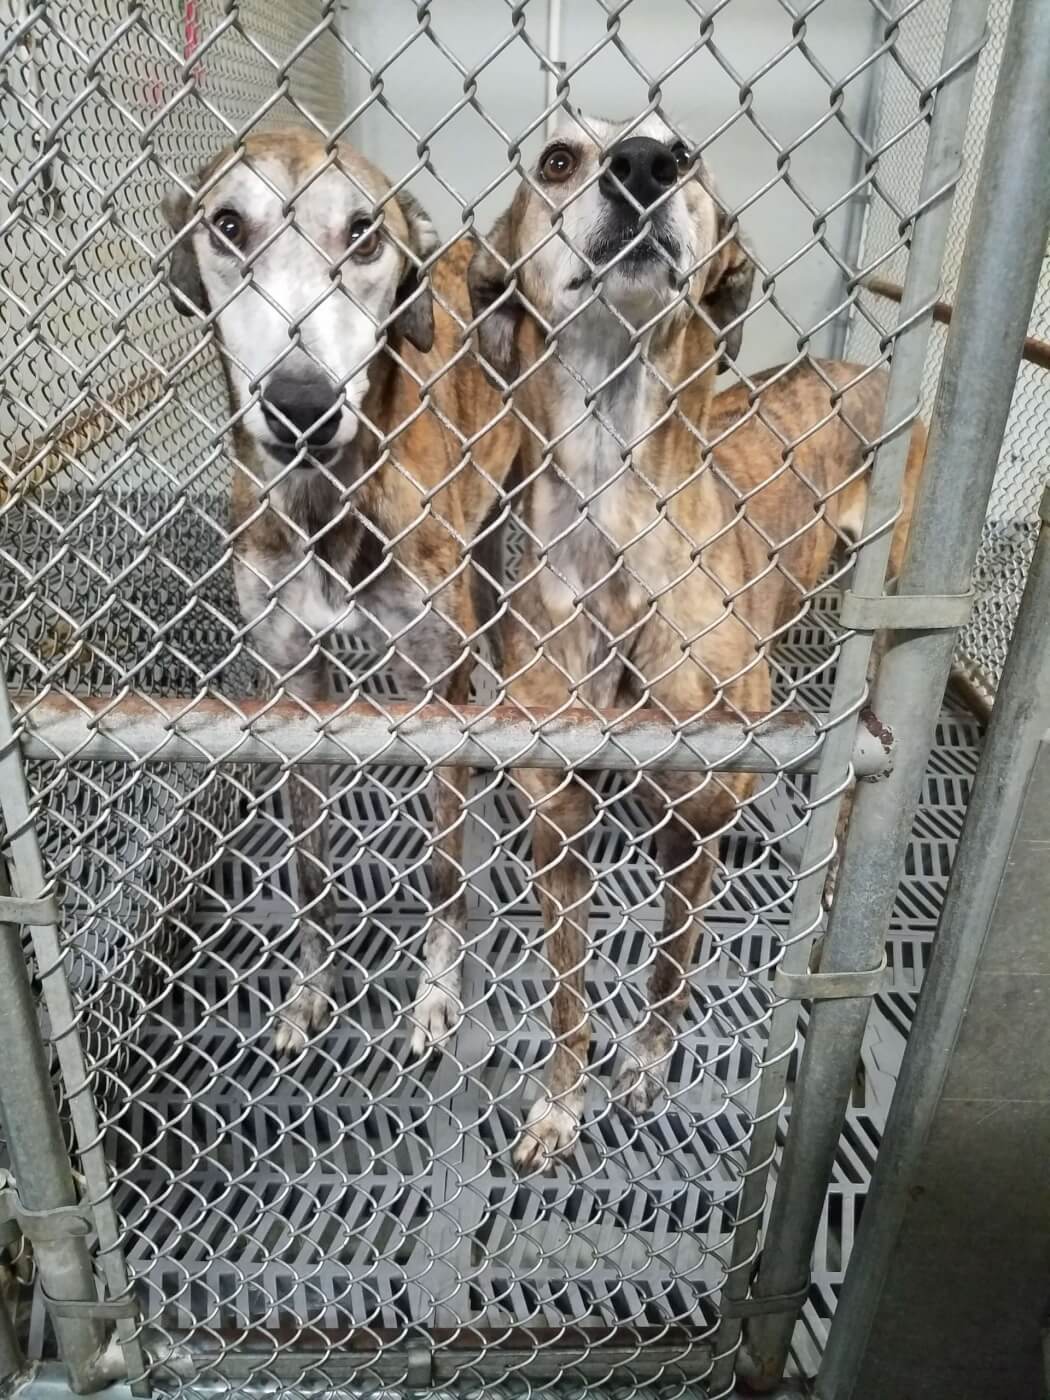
(654, 572)
(365, 465)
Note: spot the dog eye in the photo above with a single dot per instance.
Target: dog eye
(682, 156)
(364, 239)
(230, 226)
(558, 164)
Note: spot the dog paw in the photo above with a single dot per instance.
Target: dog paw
(550, 1130)
(309, 1010)
(434, 1016)
(641, 1081)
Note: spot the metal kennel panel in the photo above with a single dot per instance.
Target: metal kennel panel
(111, 529)
(353, 1219)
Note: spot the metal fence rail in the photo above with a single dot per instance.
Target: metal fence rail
(283, 1193)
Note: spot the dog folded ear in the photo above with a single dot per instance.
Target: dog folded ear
(728, 291)
(184, 274)
(488, 280)
(416, 321)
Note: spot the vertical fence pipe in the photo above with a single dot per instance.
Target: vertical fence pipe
(38, 1153)
(1020, 720)
(860, 205)
(39, 1161)
(962, 43)
(997, 284)
(11, 1358)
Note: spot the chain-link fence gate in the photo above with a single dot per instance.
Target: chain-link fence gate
(315, 1007)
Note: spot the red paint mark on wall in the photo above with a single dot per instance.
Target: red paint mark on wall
(191, 34)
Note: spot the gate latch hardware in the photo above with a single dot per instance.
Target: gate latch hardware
(905, 612)
(831, 986)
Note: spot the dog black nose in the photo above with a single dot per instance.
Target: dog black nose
(642, 167)
(302, 408)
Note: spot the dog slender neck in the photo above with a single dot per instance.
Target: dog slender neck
(607, 393)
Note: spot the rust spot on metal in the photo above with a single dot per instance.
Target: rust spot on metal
(875, 727)
(76, 433)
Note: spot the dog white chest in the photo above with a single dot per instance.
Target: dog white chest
(295, 602)
(591, 505)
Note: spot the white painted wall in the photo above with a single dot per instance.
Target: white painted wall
(422, 85)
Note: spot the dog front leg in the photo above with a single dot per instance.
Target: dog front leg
(438, 1005)
(310, 1005)
(687, 846)
(561, 817)
(293, 664)
(433, 655)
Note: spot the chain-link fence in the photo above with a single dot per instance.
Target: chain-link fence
(313, 506)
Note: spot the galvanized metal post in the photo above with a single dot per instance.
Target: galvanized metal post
(40, 1163)
(1004, 252)
(962, 44)
(1020, 721)
(37, 1149)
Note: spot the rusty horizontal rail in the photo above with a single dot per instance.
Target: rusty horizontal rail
(75, 434)
(1036, 352)
(211, 730)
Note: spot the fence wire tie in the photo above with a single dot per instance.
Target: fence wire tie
(832, 986)
(905, 612)
(43, 1226)
(764, 1307)
(52, 1227)
(34, 912)
(102, 1309)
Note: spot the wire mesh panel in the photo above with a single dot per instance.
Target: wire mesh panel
(326, 484)
(112, 531)
(1009, 539)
